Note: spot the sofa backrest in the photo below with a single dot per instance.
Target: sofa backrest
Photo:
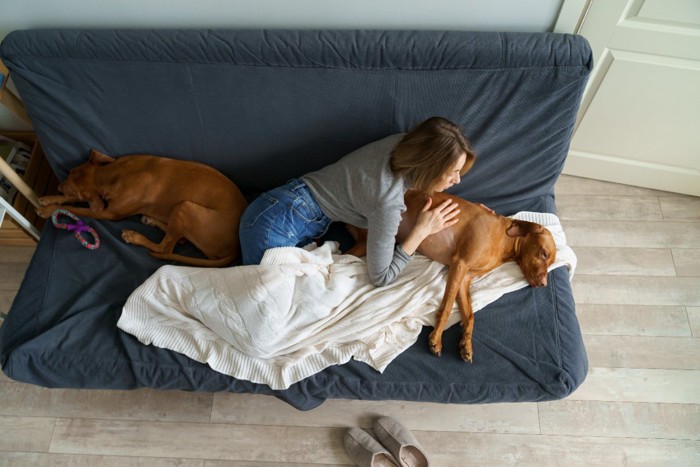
(264, 106)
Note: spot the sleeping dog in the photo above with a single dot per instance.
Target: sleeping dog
(187, 200)
(477, 244)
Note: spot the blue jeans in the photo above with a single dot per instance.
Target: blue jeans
(284, 216)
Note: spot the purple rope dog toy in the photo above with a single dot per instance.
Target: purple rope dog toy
(78, 228)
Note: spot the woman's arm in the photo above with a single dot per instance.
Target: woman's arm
(385, 259)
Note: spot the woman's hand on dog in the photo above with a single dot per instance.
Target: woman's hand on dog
(431, 221)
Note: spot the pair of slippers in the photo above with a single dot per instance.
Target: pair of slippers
(397, 447)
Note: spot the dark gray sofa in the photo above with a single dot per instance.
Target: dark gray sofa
(263, 107)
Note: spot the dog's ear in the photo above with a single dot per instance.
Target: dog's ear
(522, 228)
(98, 158)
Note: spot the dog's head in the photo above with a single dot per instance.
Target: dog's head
(80, 182)
(535, 250)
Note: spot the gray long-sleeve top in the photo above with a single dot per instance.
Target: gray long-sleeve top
(362, 190)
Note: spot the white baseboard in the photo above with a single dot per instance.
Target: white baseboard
(630, 172)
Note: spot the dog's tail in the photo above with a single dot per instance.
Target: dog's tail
(197, 262)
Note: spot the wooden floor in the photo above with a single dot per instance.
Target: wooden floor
(637, 289)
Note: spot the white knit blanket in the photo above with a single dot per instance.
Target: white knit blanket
(303, 310)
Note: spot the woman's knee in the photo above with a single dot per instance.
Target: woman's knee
(268, 222)
(276, 219)
(254, 228)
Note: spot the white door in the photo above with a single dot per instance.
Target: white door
(639, 122)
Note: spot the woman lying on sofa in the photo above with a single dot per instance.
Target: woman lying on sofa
(365, 189)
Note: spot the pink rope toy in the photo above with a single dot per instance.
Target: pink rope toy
(77, 228)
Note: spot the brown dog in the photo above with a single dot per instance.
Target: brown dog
(480, 242)
(187, 200)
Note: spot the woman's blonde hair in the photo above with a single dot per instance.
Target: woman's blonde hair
(429, 151)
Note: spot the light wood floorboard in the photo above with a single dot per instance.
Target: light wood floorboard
(637, 289)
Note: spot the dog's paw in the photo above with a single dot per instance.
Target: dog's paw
(45, 211)
(435, 343)
(147, 221)
(50, 200)
(465, 349)
(130, 236)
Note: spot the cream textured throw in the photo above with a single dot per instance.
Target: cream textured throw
(303, 309)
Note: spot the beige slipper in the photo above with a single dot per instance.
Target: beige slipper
(400, 442)
(365, 451)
